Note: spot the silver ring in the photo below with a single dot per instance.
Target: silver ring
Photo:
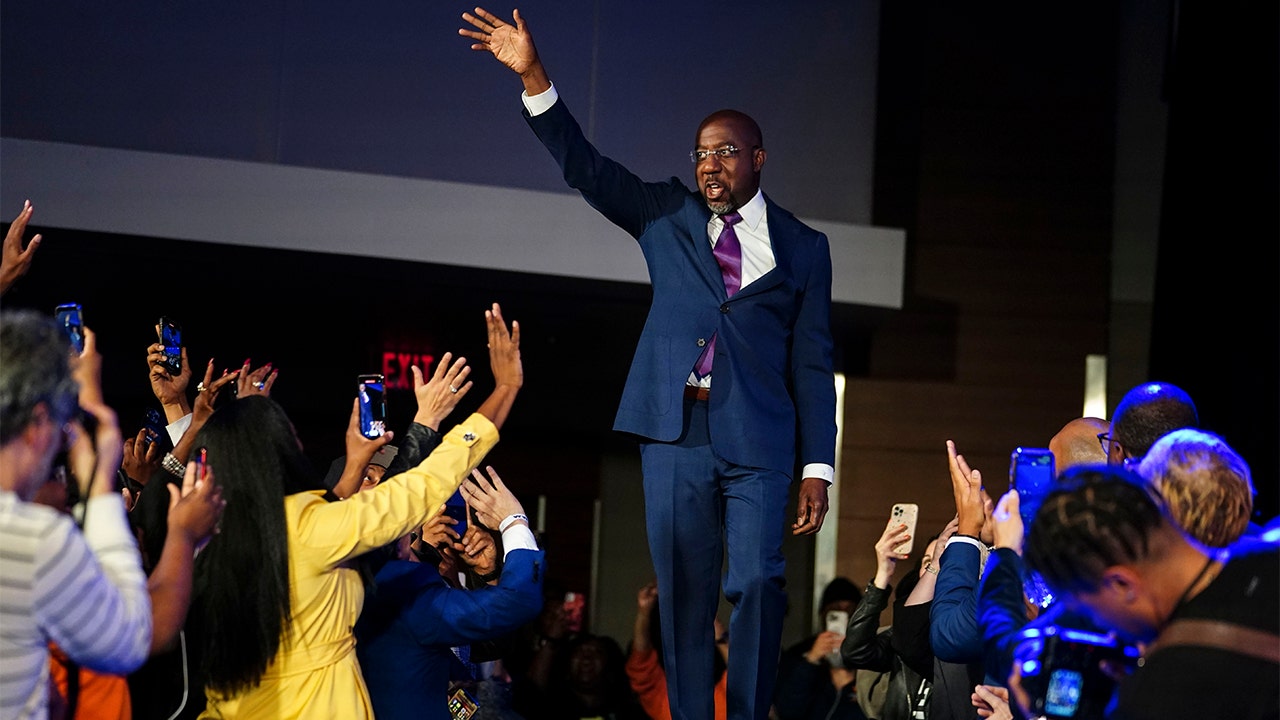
(453, 390)
(260, 384)
(200, 387)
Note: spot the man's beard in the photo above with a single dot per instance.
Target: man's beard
(723, 207)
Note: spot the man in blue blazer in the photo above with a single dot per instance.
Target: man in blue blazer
(718, 432)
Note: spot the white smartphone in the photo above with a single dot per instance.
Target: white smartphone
(838, 621)
(907, 514)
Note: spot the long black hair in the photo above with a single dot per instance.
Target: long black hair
(241, 604)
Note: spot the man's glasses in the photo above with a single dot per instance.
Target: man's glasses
(724, 153)
(1106, 441)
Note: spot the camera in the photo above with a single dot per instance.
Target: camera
(1062, 670)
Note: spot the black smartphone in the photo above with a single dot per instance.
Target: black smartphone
(373, 405)
(157, 430)
(171, 339)
(1031, 473)
(71, 317)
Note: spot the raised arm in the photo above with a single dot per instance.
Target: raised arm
(14, 260)
(511, 45)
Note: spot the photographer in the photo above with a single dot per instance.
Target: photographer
(1209, 619)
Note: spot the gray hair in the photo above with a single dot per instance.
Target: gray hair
(35, 369)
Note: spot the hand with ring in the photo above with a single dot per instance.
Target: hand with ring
(434, 403)
(257, 381)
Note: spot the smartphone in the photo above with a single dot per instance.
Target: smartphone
(906, 513)
(71, 317)
(371, 390)
(837, 621)
(202, 463)
(171, 339)
(459, 513)
(1031, 473)
(462, 706)
(575, 605)
(157, 431)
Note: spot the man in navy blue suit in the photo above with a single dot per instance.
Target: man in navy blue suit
(731, 373)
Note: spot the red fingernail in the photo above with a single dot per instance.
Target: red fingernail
(246, 362)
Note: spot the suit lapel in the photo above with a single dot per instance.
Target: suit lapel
(696, 219)
(780, 242)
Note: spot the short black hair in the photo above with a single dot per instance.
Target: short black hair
(1150, 411)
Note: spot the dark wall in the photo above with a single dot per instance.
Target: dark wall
(1216, 324)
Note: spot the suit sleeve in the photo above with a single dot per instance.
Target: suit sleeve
(1001, 611)
(451, 616)
(606, 185)
(953, 620)
(812, 379)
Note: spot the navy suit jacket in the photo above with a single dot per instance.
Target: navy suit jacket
(412, 618)
(772, 372)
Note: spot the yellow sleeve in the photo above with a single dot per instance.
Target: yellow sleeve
(336, 531)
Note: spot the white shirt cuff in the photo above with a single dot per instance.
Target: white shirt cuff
(820, 470)
(517, 537)
(540, 103)
(178, 428)
(963, 539)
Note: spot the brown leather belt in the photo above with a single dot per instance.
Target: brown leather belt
(693, 392)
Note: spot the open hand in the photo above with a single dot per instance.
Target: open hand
(14, 260)
(511, 45)
(438, 398)
(490, 498)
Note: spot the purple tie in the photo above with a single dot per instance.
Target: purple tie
(729, 255)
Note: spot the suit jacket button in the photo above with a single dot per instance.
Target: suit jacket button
(724, 309)
(702, 342)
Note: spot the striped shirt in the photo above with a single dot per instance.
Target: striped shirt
(86, 592)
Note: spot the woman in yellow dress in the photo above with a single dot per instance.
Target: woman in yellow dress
(276, 592)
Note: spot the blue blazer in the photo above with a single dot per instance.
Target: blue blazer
(773, 381)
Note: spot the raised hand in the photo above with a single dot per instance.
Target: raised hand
(1006, 523)
(479, 550)
(438, 398)
(257, 381)
(511, 45)
(142, 456)
(438, 530)
(169, 389)
(360, 450)
(895, 533)
(490, 499)
(504, 349)
(197, 509)
(966, 488)
(14, 260)
(102, 457)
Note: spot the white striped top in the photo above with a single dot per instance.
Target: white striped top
(86, 592)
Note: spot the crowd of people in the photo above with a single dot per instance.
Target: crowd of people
(200, 567)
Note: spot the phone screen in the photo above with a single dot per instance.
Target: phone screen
(71, 318)
(373, 405)
(1031, 473)
(171, 339)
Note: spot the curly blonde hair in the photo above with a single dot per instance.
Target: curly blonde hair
(1205, 484)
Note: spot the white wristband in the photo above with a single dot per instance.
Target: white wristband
(510, 520)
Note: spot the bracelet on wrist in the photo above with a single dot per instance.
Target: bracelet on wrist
(512, 519)
(489, 577)
(173, 465)
(931, 569)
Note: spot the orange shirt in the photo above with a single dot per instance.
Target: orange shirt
(102, 697)
(650, 683)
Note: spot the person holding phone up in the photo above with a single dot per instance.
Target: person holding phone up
(276, 596)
